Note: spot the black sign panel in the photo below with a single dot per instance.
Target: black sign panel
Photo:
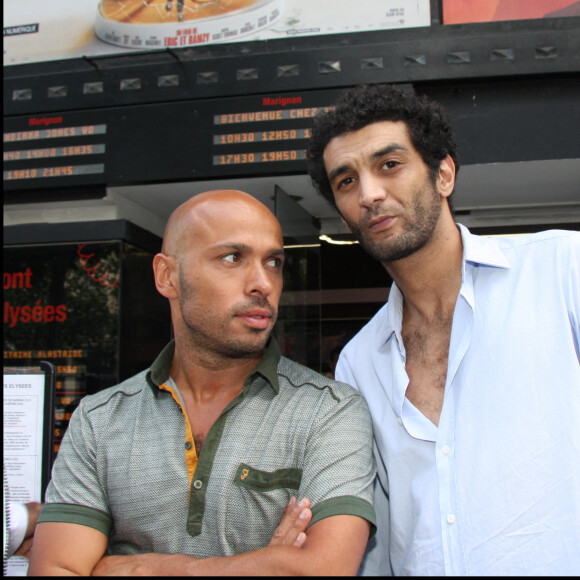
(254, 135)
(43, 152)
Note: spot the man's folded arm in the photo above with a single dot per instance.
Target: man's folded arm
(334, 546)
(72, 539)
(65, 549)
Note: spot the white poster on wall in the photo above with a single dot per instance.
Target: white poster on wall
(37, 30)
(23, 434)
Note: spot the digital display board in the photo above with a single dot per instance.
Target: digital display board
(53, 171)
(259, 116)
(249, 135)
(69, 143)
(277, 135)
(289, 140)
(59, 132)
(280, 135)
(260, 157)
(54, 152)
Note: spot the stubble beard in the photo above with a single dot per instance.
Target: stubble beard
(421, 223)
(210, 331)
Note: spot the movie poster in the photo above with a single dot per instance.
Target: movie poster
(463, 11)
(37, 30)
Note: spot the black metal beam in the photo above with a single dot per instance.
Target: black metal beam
(439, 52)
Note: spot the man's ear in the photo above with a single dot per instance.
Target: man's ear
(165, 273)
(446, 177)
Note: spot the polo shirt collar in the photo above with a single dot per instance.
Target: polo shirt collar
(159, 370)
(267, 367)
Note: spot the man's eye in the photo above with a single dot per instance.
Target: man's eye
(231, 258)
(390, 164)
(345, 182)
(274, 262)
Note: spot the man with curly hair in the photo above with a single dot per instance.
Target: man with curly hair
(471, 370)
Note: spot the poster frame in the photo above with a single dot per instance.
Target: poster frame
(47, 369)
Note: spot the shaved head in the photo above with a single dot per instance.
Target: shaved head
(202, 209)
(221, 269)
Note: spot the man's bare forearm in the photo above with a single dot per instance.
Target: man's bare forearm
(332, 548)
(269, 561)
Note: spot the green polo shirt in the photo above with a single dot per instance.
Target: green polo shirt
(127, 463)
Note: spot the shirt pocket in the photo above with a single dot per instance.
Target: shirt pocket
(255, 504)
(258, 480)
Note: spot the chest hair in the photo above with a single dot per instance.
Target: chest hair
(427, 355)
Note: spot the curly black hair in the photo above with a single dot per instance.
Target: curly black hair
(427, 122)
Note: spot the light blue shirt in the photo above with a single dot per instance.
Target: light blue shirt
(495, 488)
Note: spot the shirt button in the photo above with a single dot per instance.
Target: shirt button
(445, 449)
(450, 519)
(188, 444)
(198, 484)
(400, 420)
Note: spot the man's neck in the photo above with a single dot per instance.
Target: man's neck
(430, 278)
(208, 377)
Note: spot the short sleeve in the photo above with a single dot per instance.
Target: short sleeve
(339, 465)
(75, 494)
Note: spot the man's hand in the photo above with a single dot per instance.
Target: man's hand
(33, 509)
(292, 526)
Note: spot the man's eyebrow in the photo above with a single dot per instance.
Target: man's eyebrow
(390, 148)
(244, 248)
(231, 246)
(278, 252)
(337, 171)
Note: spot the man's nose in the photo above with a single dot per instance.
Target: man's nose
(371, 192)
(259, 280)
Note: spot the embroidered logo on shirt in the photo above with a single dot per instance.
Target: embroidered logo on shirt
(245, 473)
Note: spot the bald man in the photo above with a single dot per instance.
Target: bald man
(196, 465)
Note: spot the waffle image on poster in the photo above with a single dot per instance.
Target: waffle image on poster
(175, 23)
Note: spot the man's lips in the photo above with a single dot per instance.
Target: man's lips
(257, 317)
(381, 223)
